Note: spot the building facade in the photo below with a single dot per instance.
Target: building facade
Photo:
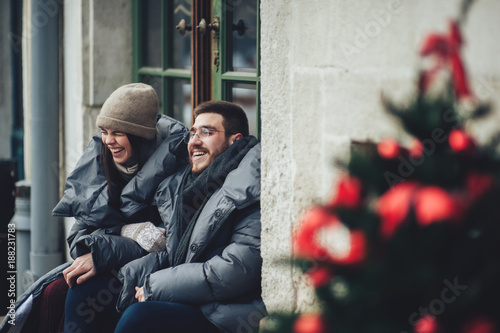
(310, 73)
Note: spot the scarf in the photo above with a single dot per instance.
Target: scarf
(197, 189)
(127, 171)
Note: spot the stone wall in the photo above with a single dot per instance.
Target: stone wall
(97, 60)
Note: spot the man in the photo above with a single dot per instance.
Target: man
(208, 278)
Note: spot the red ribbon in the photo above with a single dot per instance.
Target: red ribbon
(447, 50)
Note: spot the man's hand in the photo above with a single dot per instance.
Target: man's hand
(80, 270)
(139, 294)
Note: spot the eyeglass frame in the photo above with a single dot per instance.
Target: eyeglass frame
(190, 135)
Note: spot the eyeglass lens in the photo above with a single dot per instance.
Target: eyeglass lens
(202, 135)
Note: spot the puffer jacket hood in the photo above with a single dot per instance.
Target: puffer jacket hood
(86, 196)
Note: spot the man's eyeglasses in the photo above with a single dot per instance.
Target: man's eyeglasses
(202, 134)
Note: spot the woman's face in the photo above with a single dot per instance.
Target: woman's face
(118, 144)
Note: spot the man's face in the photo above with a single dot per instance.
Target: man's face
(203, 152)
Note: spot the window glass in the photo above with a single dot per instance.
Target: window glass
(155, 82)
(151, 33)
(241, 25)
(182, 42)
(244, 95)
(182, 101)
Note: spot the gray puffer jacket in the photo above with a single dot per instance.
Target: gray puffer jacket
(97, 224)
(222, 273)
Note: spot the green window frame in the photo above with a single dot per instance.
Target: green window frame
(222, 77)
(166, 73)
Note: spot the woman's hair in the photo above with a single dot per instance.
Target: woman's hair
(142, 149)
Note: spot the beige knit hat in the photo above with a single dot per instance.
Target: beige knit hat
(131, 109)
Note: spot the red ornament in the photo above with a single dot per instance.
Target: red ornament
(478, 183)
(357, 251)
(459, 78)
(479, 325)
(317, 239)
(457, 68)
(433, 204)
(416, 149)
(460, 141)
(305, 242)
(427, 324)
(446, 48)
(436, 44)
(309, 323)
(319, 276)
(349, 193)
(388, 148)
(332, 242)
(394, 205)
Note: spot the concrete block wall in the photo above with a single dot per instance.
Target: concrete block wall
(97, 60)
(324, 65)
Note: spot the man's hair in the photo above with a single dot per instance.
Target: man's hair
(235, 119)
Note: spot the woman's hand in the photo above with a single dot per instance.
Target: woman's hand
(139, 294)
(80, 270)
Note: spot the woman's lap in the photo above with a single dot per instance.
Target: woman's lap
(91, 306)
(165, 317)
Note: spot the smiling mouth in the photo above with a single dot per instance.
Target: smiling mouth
(198, 153)
(116, 151)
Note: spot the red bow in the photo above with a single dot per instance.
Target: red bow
(447, 50)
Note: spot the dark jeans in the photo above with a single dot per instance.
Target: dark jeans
(91, 306)
(164, 317)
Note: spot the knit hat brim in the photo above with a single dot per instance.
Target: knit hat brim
(131, 109)
(126, 127)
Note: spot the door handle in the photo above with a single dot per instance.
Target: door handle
(240, 27)
(183, 27)
(203, 26)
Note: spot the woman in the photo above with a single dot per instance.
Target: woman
(135, 146)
